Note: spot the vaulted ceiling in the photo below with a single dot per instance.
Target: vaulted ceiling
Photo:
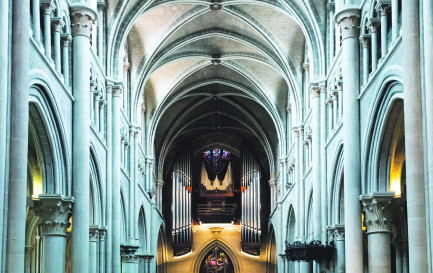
(226, 68)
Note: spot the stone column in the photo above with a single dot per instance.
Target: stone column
(96, 98)
(340, 95)
(82, 19)
(28, 259)
(133, 135)
(413, 128)
(54, 211)
(372, 24)
(364, 39)
(428, 70)
(48, 6)
(19, 124)
(301, 187)
(330, 116)
(323, 181)
(101, 30)
(4, 83)
(348, 19)
(129, 262)
(383, 8)
(57, 25)
(377, 208)
(159, 186)
(149, 174)
(102, 235)
(36, 14)
(66, 41)
(335, 105)
(331, 10)
(109, 187)
(93, 248)
(315, 146)
(116, 165)
(337, 234)
(394, 19)
(102, 102)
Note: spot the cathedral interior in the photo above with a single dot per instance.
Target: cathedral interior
(216, 136)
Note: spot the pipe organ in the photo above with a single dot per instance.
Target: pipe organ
(250, 187)
(181, 204)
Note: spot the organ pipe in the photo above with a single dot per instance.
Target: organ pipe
(181, 202)
(250, 198)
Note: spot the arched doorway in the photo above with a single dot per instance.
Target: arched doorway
(216, 261)
(272, 252)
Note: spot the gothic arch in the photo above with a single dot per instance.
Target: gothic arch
(271, 253)
(195, 266)
(336, 187)
(96, 196)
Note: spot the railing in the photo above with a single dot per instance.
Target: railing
(216, 213)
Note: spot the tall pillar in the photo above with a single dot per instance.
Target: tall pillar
(102, 235)
(348, 18)
(48, 6)
(383, 7)
(372, 24)
(116, 165)
(57, 25)
(82, 19)
(19, 124)
(4, 83)
(428, 71)
(101, 30)
(315, 146)
(330, 115)
(36, 14)
(413, 128)
(93, 248)
(394, 19)
(109, 187)
(377, 211)
(339, 246)
(54, 211)
(364, 39)
(129, 261)
(133, 135)
(323, 180)
(66, 41)
(331, 10)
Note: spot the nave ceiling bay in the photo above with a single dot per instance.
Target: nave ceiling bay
(178, 51)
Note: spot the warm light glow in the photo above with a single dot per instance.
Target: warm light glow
(362, 222)
(37, 184)
(69, 229)
(397, 161)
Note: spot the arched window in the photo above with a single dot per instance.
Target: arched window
(216, 261)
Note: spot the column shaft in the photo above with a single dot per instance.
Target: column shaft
(109, 246)
(19, 123)
(4, 80)
(428, 70)
(379, 253)
(348, 19)
(102, 235)
(48, 8)
(416, 215)
(339, 245)
(82, 20)
(373, 48)
(365, 59)
(36, 14)
(66, 39)
(384, 30)
(57, 24)
(93, 249)
(315, 147)
(323, 181)
(394, 20)
(116, 144)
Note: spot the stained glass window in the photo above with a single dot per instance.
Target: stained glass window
(216, 261)
(216, 162)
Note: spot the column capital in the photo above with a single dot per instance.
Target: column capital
(306, 66)
(348, 19)
(134, 131)
(315, 90)
(102, 233)
(364, 39)
(128, 253)
(372, 24)
(101, 4)
(117, 90)
(57, 23)
(336, 232)
(329, 102)
(94, 233)
(330, 6)
(66, 39)
(272, 183)
(383, 6)
(48, 6)
(322, 86)
(377, 211)
(82, 18)
(54, 211)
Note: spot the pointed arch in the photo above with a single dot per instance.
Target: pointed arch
(208, 247)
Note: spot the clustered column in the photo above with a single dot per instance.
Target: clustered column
(129, 260)
(48, 6)
(348, 19)
(377, 210)
(54, 212)
(82, 20)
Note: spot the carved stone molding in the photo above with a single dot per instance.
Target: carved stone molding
(364, 39)
(47, 6)
(117, 90)
(66, 39)
(349, 19)
(102, 233)
(93, 233)
(315, 91)
(216, 230)
(377, 211)
(54, 211)
(128, 253)
(57, 23)
(373, 24)
(82, 18)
